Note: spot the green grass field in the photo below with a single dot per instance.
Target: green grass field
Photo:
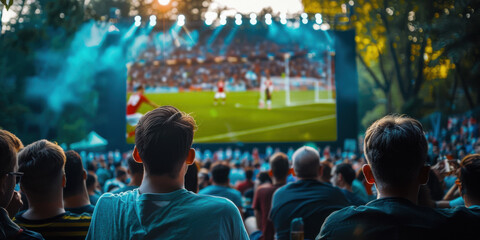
(240, 119)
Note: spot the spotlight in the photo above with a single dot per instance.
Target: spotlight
(268, 16)
(223, 19)
(253, 15)
(164, 2)
(283, 18)
(181, 20)
(153, 18)
(137, 24)
(253, 21)
(304, 15)
(268, 21)
(318, 18)
(238, 16)
(304, 21)
(153, 23)
(238, 21)
(138, 18)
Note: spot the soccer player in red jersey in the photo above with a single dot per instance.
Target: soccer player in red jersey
(220, 92)
(134, 102)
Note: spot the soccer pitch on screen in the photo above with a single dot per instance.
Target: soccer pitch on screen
(241, 119)
(252, 84)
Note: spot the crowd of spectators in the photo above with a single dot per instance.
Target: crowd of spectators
(61, 190)
(241, 64)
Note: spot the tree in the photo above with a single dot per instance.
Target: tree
(456, 30)
(394, 45)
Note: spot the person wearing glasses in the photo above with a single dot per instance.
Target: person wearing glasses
(43, 165)
(9, 177)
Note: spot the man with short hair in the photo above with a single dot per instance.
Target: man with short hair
(42, 163)
(262, 200)
(307, 198)
(396, 151)
(75, 194)
(117, 182)
(247, 183)
(342, 177)
(161, 208)
(93, 188)
(221, 185)
(8, 178)
(135, 171)
(465, 220)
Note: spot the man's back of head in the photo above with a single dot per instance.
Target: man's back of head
(163, 143)
(12, 139)
(279, 166)
(8, 163)
(469, 177)
(306, 163)
(396, 150)
(163, 138)
(346, 172)
(42, 163)
(75, 174)
(220, 173)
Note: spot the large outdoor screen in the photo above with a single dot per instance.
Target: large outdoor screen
(249, 83)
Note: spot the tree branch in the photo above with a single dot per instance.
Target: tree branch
(370, 71)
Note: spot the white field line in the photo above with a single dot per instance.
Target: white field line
(297, 104)
(264, 129)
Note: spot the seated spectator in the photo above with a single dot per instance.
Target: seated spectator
(102, 172)
(8, 197)
(75, 195)
(326, 172)
(262, 200)
(396, 151)
(117, 182)
(221, 185)
(237, 174)
(135, 171)
(466, 220)
(469, 180)
(43, 165)
(247, 183)
(161, 208)
(307, 198)
(92, 188)
(342, 177)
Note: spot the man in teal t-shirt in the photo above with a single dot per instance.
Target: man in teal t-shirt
(161, 208)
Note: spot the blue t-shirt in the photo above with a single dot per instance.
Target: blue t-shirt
(220, 191)
(176, 215)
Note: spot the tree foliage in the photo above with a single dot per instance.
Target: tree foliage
(408, 48)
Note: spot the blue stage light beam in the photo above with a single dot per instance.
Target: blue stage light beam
(214, 35)
(129, 33)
